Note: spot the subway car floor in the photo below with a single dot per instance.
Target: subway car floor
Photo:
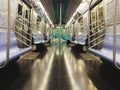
(59, 67)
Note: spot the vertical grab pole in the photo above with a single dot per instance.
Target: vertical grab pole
(114, 36)
(60, 28)
(89, 27)
(89, 23)
(8, 37)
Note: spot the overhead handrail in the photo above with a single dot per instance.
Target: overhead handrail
(114, 36)
(8, 38)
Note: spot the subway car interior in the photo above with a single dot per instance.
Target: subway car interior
(59, 44)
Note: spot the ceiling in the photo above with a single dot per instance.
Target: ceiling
(53, 9)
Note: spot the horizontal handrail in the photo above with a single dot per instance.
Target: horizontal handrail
(23, 42)
(25, 28)
(96, 44)
(26, 25)
(97, 26)
(97, 21)
(93, 23)
(97, 38)
(24, 19)
(20, 20)
(23, 37)
(22, 24)
(97, 32)
(24, 31)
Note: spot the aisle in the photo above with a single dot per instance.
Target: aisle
(55, 70)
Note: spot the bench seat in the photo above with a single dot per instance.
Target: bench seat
(107, 49)
(80, 39)
(38, 38)
(14, 50)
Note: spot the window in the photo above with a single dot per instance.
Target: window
(100, 16)
(93, 19)
(20, 9)
(26, 15)
(38, 22)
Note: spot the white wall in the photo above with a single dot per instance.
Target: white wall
(85, 21)
(110, 14)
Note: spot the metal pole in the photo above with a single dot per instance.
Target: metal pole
(8, 37)
(60, 24)
(114, 36)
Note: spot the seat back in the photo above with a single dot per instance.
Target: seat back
(37, 38)
(3, 40)
(81, 39)
(108, 42)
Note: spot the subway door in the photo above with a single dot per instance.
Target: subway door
(19, 23)
(93, 25)
(97, 26)
(26, 25)
(101, 24)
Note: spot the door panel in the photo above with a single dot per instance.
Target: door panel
(97, 24)
(22, 24)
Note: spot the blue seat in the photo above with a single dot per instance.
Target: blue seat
(80, 39)
(14, 50)
(39, 38)
(107, 49)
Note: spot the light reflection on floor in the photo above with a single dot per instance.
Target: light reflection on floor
(76, 70)
(57, 70)
(41, 71)
(77, 73)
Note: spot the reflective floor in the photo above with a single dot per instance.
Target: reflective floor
(58, 67)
